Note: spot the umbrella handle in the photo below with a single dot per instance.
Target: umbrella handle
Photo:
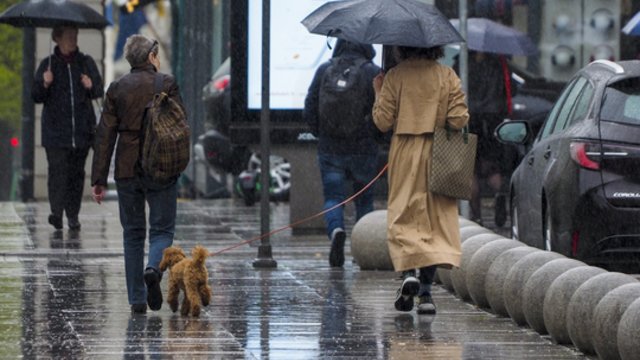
(50, 53)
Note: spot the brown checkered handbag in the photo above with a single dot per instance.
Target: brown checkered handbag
(453, 158)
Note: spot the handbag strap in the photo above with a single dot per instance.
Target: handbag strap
(465, 132)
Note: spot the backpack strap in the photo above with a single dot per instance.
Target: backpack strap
(158, 84)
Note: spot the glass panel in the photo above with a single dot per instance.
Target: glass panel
(622, 102)
(582, 105)
(550, 122)
(569, 105)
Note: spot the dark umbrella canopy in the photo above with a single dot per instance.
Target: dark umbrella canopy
(489, 36)
(387, 22)
(50, 13)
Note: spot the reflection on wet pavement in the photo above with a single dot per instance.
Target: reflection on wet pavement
(64, 297)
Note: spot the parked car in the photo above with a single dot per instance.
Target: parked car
(577, 190)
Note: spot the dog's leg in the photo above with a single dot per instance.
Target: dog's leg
(172, 296)
(186, 305)
(205, 294)
(194, 300)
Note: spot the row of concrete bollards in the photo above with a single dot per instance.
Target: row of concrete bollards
(595, 310)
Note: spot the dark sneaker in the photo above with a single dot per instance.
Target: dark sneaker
(500, 211)
(74, 224)
(426, 306)
(336, 255)
(154, 294)
(404, 297)
(56, 221)
(139, 308)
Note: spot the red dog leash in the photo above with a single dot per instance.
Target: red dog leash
(305, 219)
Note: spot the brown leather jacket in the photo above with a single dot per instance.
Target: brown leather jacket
(121, 120)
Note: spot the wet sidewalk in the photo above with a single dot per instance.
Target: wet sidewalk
(64, 297)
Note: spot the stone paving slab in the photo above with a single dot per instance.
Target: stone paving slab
(64, 297)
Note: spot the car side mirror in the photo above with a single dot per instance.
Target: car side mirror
(513, 132)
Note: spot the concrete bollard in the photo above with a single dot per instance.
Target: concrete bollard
(479, 265)
(464, 222)
(469, 247)
(556, 300)
(628, 334)
(583, 303)
(497, 273)
(535, 290)
(445, 277)
(518, 276)
(369, 242)
(470, 231)
(606, 319)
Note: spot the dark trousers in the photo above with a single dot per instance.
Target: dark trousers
(65, 180)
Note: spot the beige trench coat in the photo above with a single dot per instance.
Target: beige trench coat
(416, 96)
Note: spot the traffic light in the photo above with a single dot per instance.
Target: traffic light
(576, 32)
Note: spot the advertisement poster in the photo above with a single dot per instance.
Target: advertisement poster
(295, 53)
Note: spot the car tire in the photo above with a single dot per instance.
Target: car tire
(547, 228)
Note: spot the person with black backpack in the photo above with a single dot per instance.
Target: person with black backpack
(338, 112)
(146, 167)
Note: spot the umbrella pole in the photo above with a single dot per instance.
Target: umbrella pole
(464, 79)
(50, 53)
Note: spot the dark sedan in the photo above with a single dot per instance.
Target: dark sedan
(577, 190)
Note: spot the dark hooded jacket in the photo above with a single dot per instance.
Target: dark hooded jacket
(363, 144)
(68, 117)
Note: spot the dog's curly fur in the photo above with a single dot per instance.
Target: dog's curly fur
(190, 276)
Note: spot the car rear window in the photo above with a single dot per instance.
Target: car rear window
(622, 102)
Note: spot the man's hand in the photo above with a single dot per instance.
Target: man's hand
(98, 193)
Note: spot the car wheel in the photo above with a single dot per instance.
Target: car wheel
(515, 230)
(547, 231)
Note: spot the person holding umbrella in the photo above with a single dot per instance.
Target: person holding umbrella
(414, 98)
(65, 83)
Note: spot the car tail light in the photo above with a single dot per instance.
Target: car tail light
(584, 153)
(575, 239)
(221, 83)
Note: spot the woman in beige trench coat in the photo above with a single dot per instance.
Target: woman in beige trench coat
(414, 98)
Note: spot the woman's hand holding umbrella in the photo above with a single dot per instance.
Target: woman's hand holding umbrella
(47, 78)
(86, 81)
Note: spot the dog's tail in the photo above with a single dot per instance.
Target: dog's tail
(199, 255)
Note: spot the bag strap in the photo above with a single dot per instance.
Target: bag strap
(464, 130)
(158, 84)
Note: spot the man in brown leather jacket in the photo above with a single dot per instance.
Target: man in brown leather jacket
(121, 122)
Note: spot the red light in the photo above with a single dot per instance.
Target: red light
(14, 142)
(579, 155)
(222, 83)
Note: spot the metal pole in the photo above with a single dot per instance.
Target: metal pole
(464, 77)
(264, 259)
(28, 114)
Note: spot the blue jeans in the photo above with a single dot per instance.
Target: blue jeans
(335, 170)
(162, 199)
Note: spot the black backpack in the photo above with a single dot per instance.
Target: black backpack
(342, 98)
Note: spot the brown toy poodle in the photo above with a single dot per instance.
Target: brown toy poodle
(190, 276)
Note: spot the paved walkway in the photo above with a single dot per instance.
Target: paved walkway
(64, 297)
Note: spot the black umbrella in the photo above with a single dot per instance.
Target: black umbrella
(388, 22)
(489, 36)
(50, 13)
